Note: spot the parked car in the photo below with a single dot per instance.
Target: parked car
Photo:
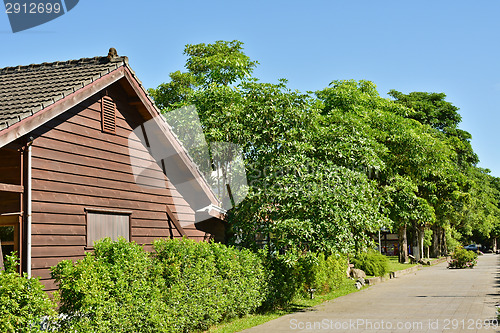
(472, 247)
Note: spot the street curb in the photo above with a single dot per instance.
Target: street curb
(438, 261)
(392, 275)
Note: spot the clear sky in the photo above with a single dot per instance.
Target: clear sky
(434, 46)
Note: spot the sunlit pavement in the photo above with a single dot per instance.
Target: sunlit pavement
(434, 299)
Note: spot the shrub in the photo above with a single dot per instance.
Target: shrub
(184, 286)
(321, 273)
(293, 274)
(462, 258)
(372, 262)
(282, 278)
(110, 290)
(209, 282)
(23, 303)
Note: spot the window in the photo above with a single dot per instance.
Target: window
(108, 113)
(9, 236)
(107, 223)
(6, 242)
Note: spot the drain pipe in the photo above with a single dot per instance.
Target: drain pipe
(28, 212)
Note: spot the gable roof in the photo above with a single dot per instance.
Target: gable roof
(26, 90)
(32, 95)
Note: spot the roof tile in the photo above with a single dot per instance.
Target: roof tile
(25, 90)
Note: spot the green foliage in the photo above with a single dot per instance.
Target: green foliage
(294, 274)
(11, 262)
(452, 239)
(462, 258)
(112, 289)
(221, 62)
(372, 263)
(327, 169)
(208, 283)
(321, 273)
(327, 209)
(183, 287)
(429, 108)
(23, 302)
(428, 237)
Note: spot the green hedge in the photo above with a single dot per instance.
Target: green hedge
(209, 282)
(23, 302)
(293, 274)
(183, 286)
(372, 263)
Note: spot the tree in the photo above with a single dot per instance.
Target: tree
(411, 154)
(327, 169)
(429, 109)
(299, 197)
(453, 188)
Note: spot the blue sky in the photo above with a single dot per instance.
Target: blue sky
(435, 46)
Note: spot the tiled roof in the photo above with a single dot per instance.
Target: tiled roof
(25, 90)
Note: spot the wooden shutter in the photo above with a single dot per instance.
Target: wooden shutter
(108, 111)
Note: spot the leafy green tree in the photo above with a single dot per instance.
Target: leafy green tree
(300, 196)
(412, 155)
(326, 170)
(429, 109)
(461, 193)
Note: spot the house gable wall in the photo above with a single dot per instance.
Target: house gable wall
(76, 166)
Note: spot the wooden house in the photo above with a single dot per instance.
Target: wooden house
(66, 163)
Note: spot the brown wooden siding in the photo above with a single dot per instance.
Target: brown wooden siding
(76, 166)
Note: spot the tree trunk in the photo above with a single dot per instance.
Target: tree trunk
(444, 246)
(495, 245)
(435, 242)
(403, 245)
(420, 242)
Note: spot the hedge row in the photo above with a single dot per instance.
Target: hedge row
(183, 286)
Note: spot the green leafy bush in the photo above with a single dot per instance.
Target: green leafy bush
(112, 289)
(372, 263)
(321, 273)
(23, 303)
(208, 282)
(292, 274)
(282, 278)
(462, 258)
(184, 286)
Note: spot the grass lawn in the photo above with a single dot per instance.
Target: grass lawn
(240, 324)
(394, 265)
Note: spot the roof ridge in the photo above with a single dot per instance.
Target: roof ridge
(99, 60)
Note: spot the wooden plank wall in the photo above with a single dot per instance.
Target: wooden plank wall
(76, 166)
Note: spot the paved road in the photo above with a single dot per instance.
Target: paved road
(434, 299)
